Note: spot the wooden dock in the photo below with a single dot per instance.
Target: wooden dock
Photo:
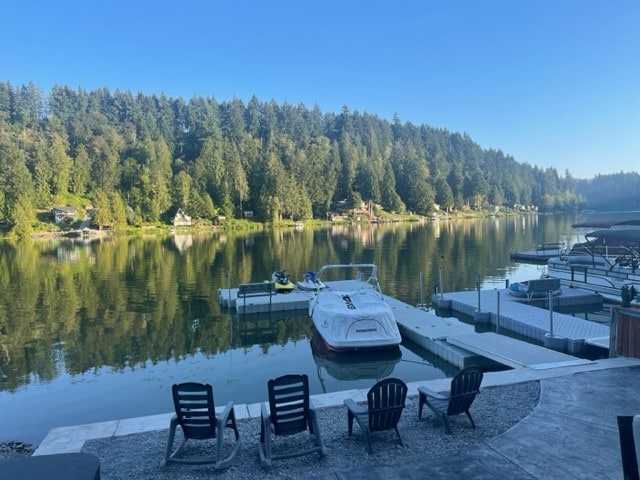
(296, 300)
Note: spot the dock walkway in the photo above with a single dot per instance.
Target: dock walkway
(532, 322)
(459, 344)
(511, 352)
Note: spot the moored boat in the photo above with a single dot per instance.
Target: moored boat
(524, 290)
(609, 240)
(353, 314)
(540, 254)
(607, 262)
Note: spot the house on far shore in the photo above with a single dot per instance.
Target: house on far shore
(66, 214)
(181, 219)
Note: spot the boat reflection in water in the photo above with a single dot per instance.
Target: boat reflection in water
(349, 366)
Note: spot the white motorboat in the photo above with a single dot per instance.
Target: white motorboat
(352, 314)
(310, 281)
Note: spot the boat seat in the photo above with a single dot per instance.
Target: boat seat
(541, 285)
(259, 289)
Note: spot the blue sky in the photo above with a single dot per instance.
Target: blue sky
(550, 82)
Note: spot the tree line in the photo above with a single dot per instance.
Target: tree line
(136, 158)
(618, 191)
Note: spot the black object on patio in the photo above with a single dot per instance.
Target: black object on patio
(465, 386)
(628, 447)
(288, 412)
(385, 402)
(62, 466)
(196, 416)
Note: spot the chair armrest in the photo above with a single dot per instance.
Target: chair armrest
(174, 421)
(265, 412)
(354, 407)
(224, 416)
(431, 393)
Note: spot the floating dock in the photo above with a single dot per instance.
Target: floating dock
(531, 321)
(457, 342)
(512, 352)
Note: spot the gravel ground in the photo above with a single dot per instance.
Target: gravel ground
(13, 449)
(495, 410)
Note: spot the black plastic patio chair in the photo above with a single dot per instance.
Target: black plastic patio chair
(465, 386)
(628, 447)
(385, 403)
(288, 412)
(196, 416)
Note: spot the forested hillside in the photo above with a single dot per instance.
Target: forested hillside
(620, 191)
(138, 157)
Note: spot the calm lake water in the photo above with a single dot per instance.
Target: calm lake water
(98, 331)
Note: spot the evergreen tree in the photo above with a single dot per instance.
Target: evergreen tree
(80, 172)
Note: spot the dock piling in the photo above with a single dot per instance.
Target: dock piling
(498, 311)
(552, 341)
(479, 316)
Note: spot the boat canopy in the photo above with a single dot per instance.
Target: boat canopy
(607, 224)
(618, 236)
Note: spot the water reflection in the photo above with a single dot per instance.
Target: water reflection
(354, 365)
(124, 301)
(126, 313)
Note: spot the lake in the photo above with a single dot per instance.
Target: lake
(96, 331)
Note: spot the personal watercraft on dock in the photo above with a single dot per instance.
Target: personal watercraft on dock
(310, 281)
(281, 279)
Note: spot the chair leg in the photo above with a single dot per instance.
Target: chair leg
(172, 435)
(231, 423)
(446, 423)
(226, 462)
(170, 455)
(470, 419)
(350, 421)
(265, 443)
(420, 405)
(399, 437)
(367, 437)
(315, 430)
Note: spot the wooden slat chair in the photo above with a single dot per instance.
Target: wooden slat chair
(196, 416)
(465, 386)
(288, 412)
(385, 403)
